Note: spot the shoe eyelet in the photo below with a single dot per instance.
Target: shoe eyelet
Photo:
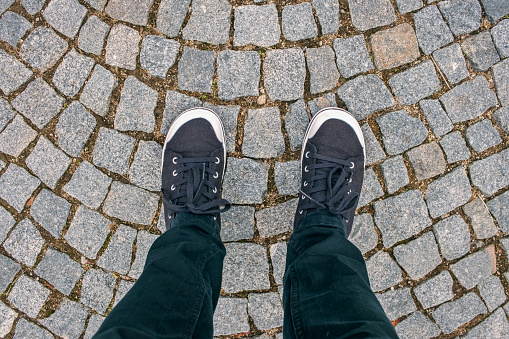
(216, 175)
(346, 220)
(218, 160)
(303, 197)
(300, 212)
(305, 183)
(174, 173)
(306, 169)
(172, 187)
(349, 181)
(215, 218)
(353, 165)
(349, 191)
(307, 153)
(174, 160)
(214, 190)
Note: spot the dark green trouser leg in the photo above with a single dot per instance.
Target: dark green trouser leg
(326, 286)
(177, 293)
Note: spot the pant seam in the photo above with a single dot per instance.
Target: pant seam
(294, 305)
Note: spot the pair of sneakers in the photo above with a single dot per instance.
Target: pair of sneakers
(194, 161)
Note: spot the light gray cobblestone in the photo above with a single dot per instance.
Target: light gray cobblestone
(436, 290)
(74, 127)
(9, 270)
(324, 75)
(363, 233)
(497, 207)
(296, 122)
(266, 310)
(395, 173)
(158, 54)
(135, 112)
(231, 316)
(416, 83)
(16, 137)
(145, 171)
(47, 162)
(6, 113)
(65, 16)
(88, 185)
(237, 223)
(451, 62)
(117, 256)
(284, 72)
(32, 6)
(28, 296)
(209, 22)
(17, 186)
(238, 74)
(287, 177)
(436, 117)
(43, 48)
(473, 269)
(500, 74)
(480, 51)
(371, 188)
(112, 150)
(397, 303)
(453, 236)
(275, 220)
(72, 73)
(431, 30)
(12, 73)
(135, 12)
(367, 15)
(501, 117)
(94, 323)
(374, 151)
(97, 289)
(480, 219)
(417, 326)
(278, 259)
(122, 48)
(427, 160)
(262, 133)
(500, 35)
(463, 16)
(256, 25)
(68, 320)
(245, 181)
(327, 12)
(418, 257)
(298, 22)
(97, 92)
(401, 131)
(454, 147)
(59, 270)
(453, 314)
(492, 292)
(196, 70)
(171, 15)
(92, 35)
(383, 271)
(352, 56)
(490, 174)
(496, 325)
(27, 329)
(13, 27)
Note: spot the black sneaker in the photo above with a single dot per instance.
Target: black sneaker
(193, 163)
(332, 166)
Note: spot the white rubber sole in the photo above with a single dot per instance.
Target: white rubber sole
(195, 113)
(333, 113)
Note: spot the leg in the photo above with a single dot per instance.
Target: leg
(177, 293)
(326, 286)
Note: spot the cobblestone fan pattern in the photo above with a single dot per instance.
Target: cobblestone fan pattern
(88, 89)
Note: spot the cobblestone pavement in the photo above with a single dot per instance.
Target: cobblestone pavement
(89, 88)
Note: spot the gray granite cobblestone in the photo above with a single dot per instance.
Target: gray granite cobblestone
(365, 95)
(427, 160)
(451, 62)
(5, 5)
(135, 13)
(27, 329)
(171, 15)
(480, 51)
(88, 185)
(17, 186)
(245, 181)
(130, 203)
(65, 16)
(501, 117)
(401, 131)
(94, 323)
(372, 14)
(117, 256)
(463, 16)
(59, 270)
(453, 237)
(278, 259)
(9, 270)
(474, 268)
(374, 151)
(496, 325)
(229, 116)
(47, 162)
(122, 48)
(401, 216)
(435, 291)
(13, 27)
(32, 6)
(492, 292)
(238, 74)
(327, 12)
(245, 268)
(97, 92)
(298, 22)
(97, 289)
(322, 68)
(143, 242)
(28, 296)
(88, 231)
(497, 207)
(237, 223)
(395, 173)
(363, 234)
(196, 70)
(43, 48)
(416, 83)
(325, 101)
(72, 73)
(418, 257)
(287, 177)
(453, 314)
(495, 9)
(491, 173)
(122, 290)
(296, 122)
(417, 326)
(371, 188)
(397, 303)
(275, 220)
(175, 104)
(383, 271)
(12, 73)
(231, 316)
(266, 310)
(68, 320)
(262, 133)
(135, 112)
(448, 192)
(92, 35)
(284, 72)
(480, 219)
(39, 102)
(500, 35)
(352, 56)
(16, 137)
(405, 6)
(112, 150)
(436, 117)
(96, 4)
(256, 25)
(454, 147)
(431, 30)
(158, 54)
(74, 127)
(209, 22)
(145, 171)
(6, 113)
(500, 73)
